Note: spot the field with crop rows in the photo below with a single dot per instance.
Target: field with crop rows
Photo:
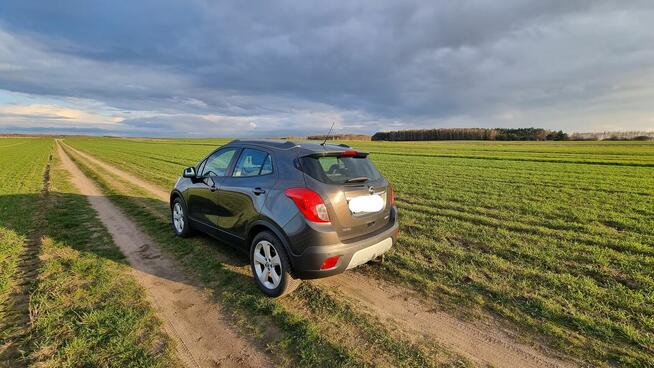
(557, 237)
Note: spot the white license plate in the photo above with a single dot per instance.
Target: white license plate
(366, 204)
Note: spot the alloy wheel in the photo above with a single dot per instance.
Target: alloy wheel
(178, 217)
(267, 264)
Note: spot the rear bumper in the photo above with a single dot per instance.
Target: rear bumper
(307, 265)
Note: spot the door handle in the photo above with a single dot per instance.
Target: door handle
(258, 191)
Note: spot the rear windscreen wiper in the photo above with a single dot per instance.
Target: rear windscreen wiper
(357, 179)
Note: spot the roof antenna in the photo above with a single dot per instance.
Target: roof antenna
(327, 136)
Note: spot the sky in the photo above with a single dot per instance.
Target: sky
(276, 68)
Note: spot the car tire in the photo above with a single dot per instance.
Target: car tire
(179, 218)
(271, 269)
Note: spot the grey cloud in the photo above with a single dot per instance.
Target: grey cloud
(367, 64)
(45, 129)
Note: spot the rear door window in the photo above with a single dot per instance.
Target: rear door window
(340, 169)
(253, 163)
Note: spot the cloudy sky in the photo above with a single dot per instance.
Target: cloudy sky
(275, 68)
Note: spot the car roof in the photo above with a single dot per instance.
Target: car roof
(303, 147)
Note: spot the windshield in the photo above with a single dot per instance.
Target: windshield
(340, 170)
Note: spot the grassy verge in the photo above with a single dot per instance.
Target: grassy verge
(309, 329)
(11, 244)
(87, 310)
(22, 166)
(19, 195)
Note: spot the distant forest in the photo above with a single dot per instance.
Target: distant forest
(613, 136)
(340, 137)
(485, 134)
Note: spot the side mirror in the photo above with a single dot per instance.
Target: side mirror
(189, 172)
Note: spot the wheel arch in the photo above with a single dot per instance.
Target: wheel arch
(260, 225)
(174, 195)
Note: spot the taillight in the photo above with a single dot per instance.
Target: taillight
(391, 195)
(309, 203)
(330, 263)
(350, 153)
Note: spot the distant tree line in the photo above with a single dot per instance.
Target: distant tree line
(613, 136)
(340, 137)
(485, 134)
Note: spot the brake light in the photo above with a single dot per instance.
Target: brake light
(330, 263)
(350, 153)
(309, 203)
(391, 194)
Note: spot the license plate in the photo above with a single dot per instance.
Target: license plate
(366, 204)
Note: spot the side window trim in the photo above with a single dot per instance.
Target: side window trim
(231, 172)
(200, 166)
(272, 167)
(272, 164)
(232, 164)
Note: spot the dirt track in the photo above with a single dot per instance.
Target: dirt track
(483, 343)
(151, 188)
(203, 336)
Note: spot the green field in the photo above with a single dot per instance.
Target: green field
(556, 237)
(22, 164)
(73, 303)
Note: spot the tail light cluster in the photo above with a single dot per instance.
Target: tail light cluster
(309, 203)
(313, 209)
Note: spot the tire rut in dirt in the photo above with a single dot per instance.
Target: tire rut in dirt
(151, 188)
(486, 343)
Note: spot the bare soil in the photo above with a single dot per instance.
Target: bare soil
(203, 333)
(485, 342)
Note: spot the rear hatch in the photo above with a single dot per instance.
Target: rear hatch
(355, 193)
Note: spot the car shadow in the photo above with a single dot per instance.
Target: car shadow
(196, 255)
(206, 265)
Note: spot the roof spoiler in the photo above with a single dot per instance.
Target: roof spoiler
(345, 153)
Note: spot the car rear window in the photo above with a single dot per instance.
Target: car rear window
(339, 169)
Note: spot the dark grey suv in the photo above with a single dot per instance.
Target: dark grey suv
(301, 210)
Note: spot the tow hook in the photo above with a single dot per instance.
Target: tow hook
(378, 260)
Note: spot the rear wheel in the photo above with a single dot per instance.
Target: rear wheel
(270, 266)
(179, 218)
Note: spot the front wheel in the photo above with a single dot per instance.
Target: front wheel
(270, 266)
(180, 218)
